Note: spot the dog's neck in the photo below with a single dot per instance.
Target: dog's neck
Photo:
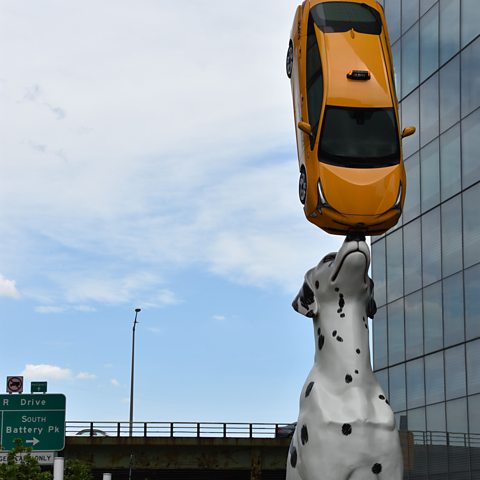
(342, 354)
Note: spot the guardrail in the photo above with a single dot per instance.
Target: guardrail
(178, 429)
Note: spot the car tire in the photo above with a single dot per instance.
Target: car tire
(289, 61)
(302, 186)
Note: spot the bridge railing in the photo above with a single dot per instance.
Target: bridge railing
(175, 429)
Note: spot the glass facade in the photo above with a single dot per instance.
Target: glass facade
(426, 334)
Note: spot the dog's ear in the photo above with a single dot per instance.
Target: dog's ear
(371, 305)
(305, 302)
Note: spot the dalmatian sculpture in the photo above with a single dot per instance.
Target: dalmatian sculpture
(346, 428)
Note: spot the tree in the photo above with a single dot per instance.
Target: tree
(22, 466)
(76, 470)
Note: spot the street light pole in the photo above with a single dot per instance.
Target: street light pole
(137, 310)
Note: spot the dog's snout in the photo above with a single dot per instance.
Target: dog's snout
(355, 237)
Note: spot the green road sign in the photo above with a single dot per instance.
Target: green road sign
(37, 420)
(38, 387)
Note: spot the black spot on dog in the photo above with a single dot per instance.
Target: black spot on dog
(381, 397)
(309, 389)
(358, 351)
(387, 402)
(366, 326)
(317, 284)
(377, 468)
(346, 429)
(337, 289)
(293, 456)
(348, 378)
(339, 310)
(310, 314)
(334, 333)
(321, 342)
(342, 315)
(307, 298)
(304, 435)
(356, 371)
(341, 302)
(341, 295)
(319, 331)
(339, 339)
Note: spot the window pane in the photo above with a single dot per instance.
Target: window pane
(416, 420)
(455, 372)
(397, 68)
(429, 43)
(453, 324)
(429, 110)
(410, 58)
(432, 317)
(397, 387)
(471, 226)
(473, 367)
(457, 416)
(434, 378)
(411, 207)
(412, 250)
(474, 414)
(471, 78)
(450, 179)
(392, 14)
(430, 175)
(470, 149)
(396, 332)
(409, 13)
(415, 384)
(394, 265)
(379, 271)
(382, 379)
(449, 29)
(431, 246)
(470, 20)
(472, 302)
(451, 237)
(436, 418)
(413, 325)
(425, 5)
(411, 117)
(380, 353)
(450, 94)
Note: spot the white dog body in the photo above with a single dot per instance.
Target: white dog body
(346, 428)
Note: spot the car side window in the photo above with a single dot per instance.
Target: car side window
(314, 80)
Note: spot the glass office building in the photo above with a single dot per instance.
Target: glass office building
(426, 334)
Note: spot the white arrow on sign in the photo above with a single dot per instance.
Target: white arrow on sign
(34, 441)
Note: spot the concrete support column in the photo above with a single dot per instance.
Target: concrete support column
(58, 466)
(107, 476)
(256, 471)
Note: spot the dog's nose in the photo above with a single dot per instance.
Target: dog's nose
(355, 237)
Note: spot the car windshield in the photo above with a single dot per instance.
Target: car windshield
(343, 16)
(359, 137)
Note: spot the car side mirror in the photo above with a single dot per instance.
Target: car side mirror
(407, 131)
(305, 128)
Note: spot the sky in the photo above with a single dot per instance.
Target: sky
(148, 159)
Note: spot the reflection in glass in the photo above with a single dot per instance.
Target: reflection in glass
(453, 323)
(455, 372)
(451, 236)
(472, 302)
(415, 383)
(412, 253)
(425, 5)
(474, 414)
(394, 265)
(429, 43)
(397, 387)
(416, 420)
(449, 29)
(413, 325)
(434, 378)
(410, 59)
(430, 175)
(450, 94)
(392, 14)
(470, 20)
(471, 226)
(471, 78)
(457, 416)
(429, 110)
(473, 370)
(409, 13)
(450, 179)
(379, 272)
(436, 418)
(396, 332)
(397, 68)
(380, 353)
(411, 207)
(470, 149)
(411, 117)
(432, 317)
(382, 379)
(431, 246)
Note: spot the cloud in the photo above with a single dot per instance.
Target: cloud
(8, 288)
(219, 317)
(85, 376)
(46, 372)
(49, 309)
(115, 382)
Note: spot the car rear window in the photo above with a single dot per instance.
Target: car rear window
(359, 137)
(343, 16)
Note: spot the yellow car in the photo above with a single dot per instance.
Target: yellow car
(352, 177)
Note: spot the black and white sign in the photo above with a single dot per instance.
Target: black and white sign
(15, 384)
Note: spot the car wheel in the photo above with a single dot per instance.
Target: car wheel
(289, 60)
(302, 186)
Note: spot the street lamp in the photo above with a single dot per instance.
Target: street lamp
(137, 310)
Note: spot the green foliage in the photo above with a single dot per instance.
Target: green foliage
(77, 470)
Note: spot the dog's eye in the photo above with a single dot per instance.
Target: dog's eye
(329, 258)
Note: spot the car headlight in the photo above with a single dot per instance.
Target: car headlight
(322, 201)
(399, 196)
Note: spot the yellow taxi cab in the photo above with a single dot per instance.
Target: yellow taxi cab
(352, 177)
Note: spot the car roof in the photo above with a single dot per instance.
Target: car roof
(347, 51)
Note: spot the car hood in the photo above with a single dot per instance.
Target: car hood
(360, 191)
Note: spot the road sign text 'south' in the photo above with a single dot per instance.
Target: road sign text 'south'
(37, 420)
